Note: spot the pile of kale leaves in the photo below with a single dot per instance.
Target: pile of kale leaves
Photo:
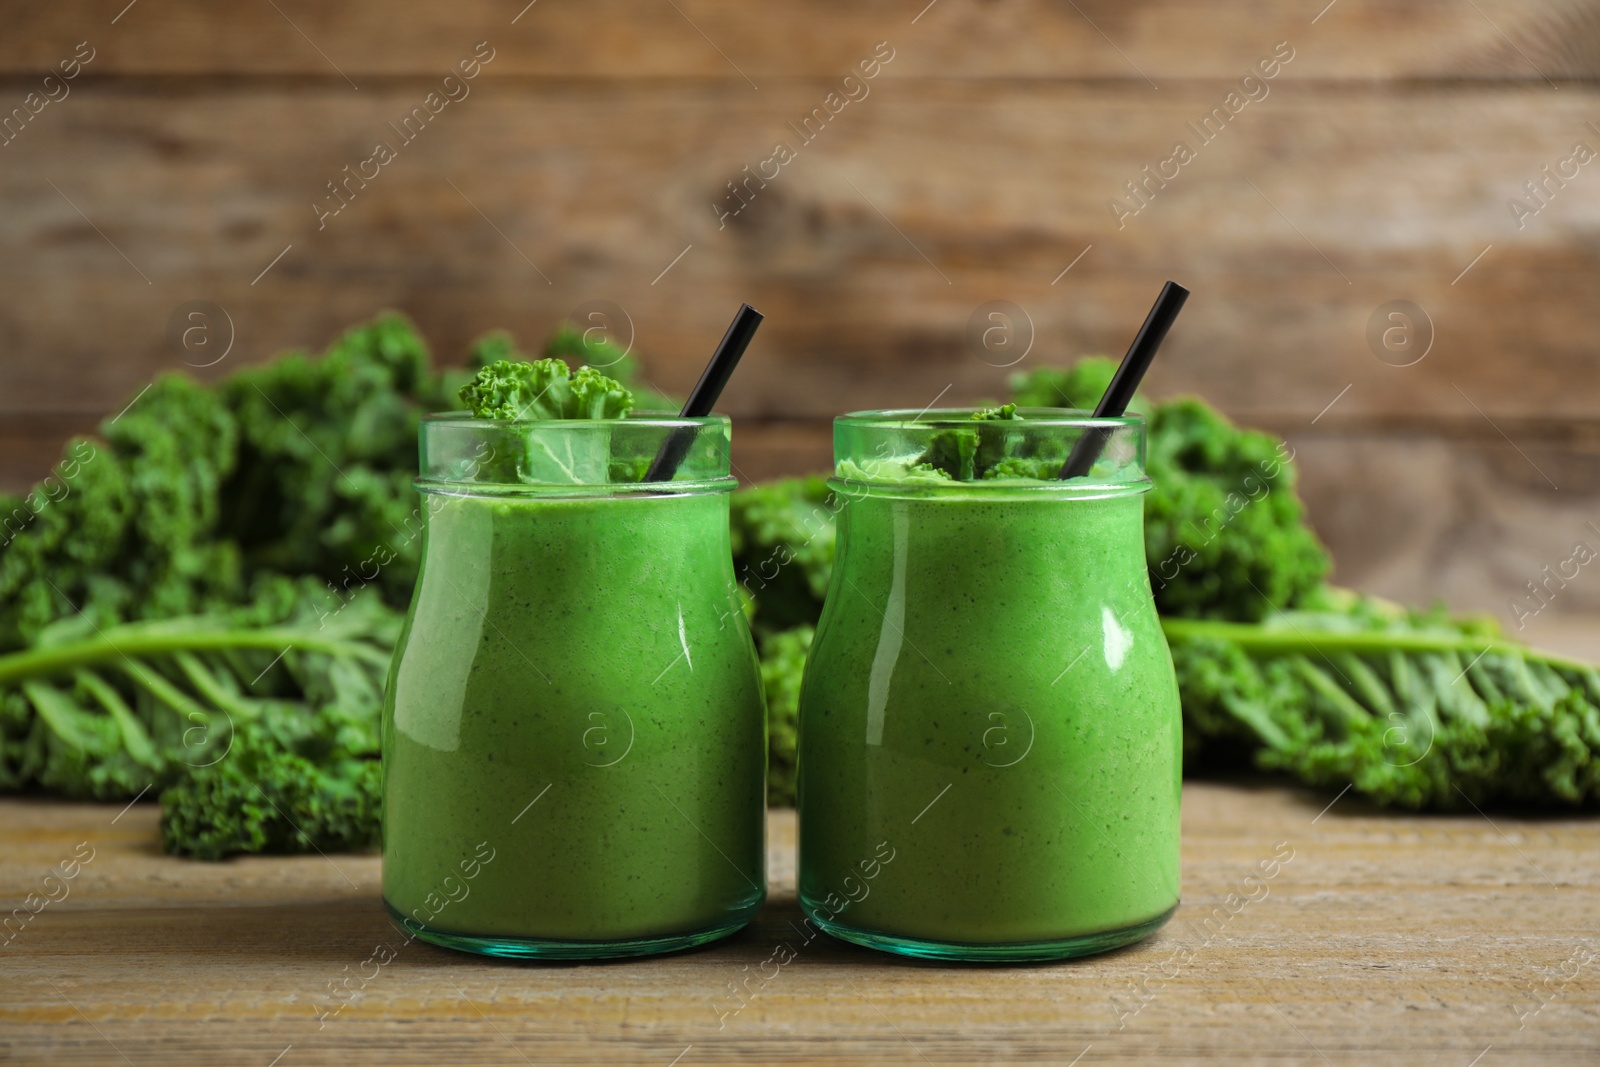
(200, 604)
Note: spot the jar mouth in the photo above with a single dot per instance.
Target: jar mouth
(499, 490)
(665, 420)
(949, 418)
(851, 485)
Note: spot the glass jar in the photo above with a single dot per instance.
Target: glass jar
(574, 735)
(990, 742)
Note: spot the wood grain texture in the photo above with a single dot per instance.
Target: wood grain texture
(1385, 939)
(1007, 39)
(869, 253)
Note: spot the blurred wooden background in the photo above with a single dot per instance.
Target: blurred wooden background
(185, 160)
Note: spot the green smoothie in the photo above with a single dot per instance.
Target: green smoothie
(990, 703)
(576, 698)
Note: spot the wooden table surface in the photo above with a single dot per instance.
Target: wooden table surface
(1384, 939)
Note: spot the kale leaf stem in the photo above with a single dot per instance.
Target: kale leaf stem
(143, 639)
(1257, 638)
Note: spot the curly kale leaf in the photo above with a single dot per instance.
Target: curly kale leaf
(577, 348)
(1225, 532)
(515, 389)
(950, 453)
(127, 524)
(110, 712)
(544, 389)
(298, 466)
(1416, 711)
(783, 540)
(595, 396)
(967, 453)
(327, 453)
(277, 791)
(783, 664)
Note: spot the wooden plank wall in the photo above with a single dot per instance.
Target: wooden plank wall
(587, 158)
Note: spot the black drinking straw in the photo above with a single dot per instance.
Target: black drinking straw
(1126, 381)
(705, 392)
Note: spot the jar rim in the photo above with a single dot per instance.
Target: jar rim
(1001, 489)
(944, 418)
(651, 419)
(585, 491)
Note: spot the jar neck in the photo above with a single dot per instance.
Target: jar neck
(567, 457)
(1001, 449)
